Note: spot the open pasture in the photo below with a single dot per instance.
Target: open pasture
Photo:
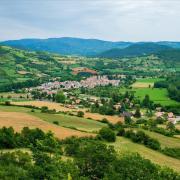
(156, 94)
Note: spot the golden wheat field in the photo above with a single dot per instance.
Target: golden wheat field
(18, 120)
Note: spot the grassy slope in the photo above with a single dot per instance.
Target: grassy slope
(125, 145)
(71, 121)
(64, 120)
(14, 109)
(164, 140)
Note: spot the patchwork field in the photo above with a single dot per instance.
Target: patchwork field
(71, 121)
(125, 145)
(58, 107)
(19, 117)
(18, 120)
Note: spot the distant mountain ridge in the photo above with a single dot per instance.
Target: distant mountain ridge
(76, 46)
(66, 45)
(135, 50)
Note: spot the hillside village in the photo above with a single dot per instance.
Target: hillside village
(91, 82)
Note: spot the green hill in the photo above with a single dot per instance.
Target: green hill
(134, 50)
(170, 55)
(66, 45)
(23, 68)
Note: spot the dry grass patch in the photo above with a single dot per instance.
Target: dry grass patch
(18, 120)
(142, 85)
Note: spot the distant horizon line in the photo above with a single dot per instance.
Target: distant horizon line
(82, 38)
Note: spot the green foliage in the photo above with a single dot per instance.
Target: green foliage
(15, 165)
(7, 103)
(48, 144)
(173, 152)
(94, 160)
(8, 138)
(44, 109)
(107, 134)
(133, 166)
(170, 126)
(142, 138)
(134, 50)
(60, 97)
(128, 120)
(121, 132)
(172, 84)
(80, 114)
(137, 113)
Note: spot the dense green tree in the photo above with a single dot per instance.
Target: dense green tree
(137, 113)
(80, 114)
(60, 97)
(170, 126)
(107, 134)
(128, 120)
(94, 160)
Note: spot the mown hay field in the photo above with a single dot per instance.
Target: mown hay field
(18, 120)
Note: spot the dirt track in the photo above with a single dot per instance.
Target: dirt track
(19, 120)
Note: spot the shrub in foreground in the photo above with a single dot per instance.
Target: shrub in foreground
(107, 134)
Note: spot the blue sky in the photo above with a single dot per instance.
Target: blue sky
(116, 20)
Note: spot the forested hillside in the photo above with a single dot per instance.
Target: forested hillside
(79, 46)
(23, 68)
(134, 50)
(170, 55)
(67, 45)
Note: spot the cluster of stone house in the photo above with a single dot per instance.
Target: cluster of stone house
(91, 82)
(170, 116)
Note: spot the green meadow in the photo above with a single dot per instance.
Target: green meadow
(159, 96)
(71, 121)
(149, 80)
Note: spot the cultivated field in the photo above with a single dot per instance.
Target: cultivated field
(18, 120)
(71, 121)
(145, 82)
(58, 107)
(23, 117)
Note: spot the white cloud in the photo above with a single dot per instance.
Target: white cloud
(128, 20)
